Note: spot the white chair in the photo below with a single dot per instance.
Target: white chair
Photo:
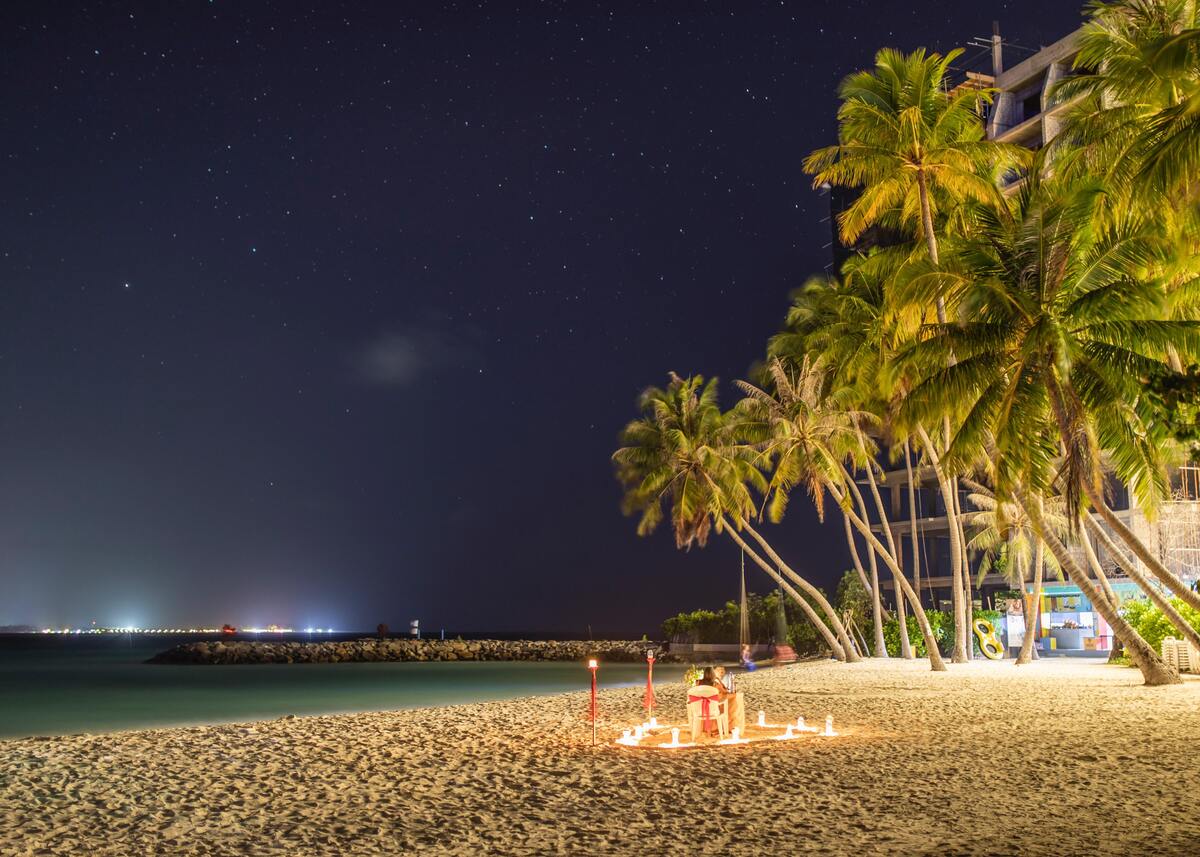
(716, 710)
(1187, 656)
(1170, 653)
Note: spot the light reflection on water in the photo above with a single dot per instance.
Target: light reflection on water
(73, 685)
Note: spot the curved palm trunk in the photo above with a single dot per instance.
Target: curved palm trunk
(871, 588)
(1098, 570)
(847, 643)
(822, 629)
(1153, 670)
(1178, 587)
(1031, 610)
(1156, 597)
(1094, 561)
(956, 570)
(935, 657)
(905, 643)
(877, 610)
(885, 524)
(912, 518)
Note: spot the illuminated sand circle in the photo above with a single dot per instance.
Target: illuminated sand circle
(662, 736)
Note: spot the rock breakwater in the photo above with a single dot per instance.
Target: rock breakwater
(381, 650)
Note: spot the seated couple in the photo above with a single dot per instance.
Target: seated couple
(713, 694)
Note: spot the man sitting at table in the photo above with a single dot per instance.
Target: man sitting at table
(733, 701)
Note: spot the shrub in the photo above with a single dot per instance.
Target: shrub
(1152, 624)
(708, 626)
(941, 623)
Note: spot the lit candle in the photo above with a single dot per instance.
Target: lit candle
(625, 735)
(788, 733)
(762, 718)
(736, 734)
(653, 722)
(800, 722)
(829, 724)
(674, 736)
(637, 733)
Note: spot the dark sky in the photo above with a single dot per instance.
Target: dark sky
(330, 313)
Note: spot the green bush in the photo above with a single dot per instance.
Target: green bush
(708, 626)
(942, 625)
(1152, 625)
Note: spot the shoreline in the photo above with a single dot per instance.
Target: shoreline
(1062, 756)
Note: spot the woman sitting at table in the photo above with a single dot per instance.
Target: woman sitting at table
(709, 679)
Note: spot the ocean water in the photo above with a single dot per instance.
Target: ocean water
(55, 685)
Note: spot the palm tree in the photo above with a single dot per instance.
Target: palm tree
(911, 145)
(681, 453)
(843, 324)
(1136, 117)
(1058, 327)
(803, 434)
(1005, 526)
(918, 152)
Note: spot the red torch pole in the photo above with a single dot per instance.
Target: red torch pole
(649, 698)
(592, 665)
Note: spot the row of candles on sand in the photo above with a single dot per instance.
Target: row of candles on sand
(633, 737)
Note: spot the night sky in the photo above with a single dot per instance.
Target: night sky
(330, 314)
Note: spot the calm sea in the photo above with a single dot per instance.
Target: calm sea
(54, 685)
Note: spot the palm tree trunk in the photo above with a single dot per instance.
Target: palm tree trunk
(872, 588)
(1098, 570)
(905, 643)
(1094, 561)
(912, 518)
(927, 227)
(935, 657)
(877, 610)
(1153, 670)
(1178, 588)
(960, 653)
(968, 594)
(852, 655)
(1160, 601)
(855, 558)
(1031, 610)
(822, 628)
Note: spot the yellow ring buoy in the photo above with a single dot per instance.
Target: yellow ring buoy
(989, 643)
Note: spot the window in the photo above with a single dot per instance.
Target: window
(1031, 105)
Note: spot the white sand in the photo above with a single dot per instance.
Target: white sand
(1057, 758)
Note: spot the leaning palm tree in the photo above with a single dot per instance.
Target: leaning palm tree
(802, 433)
(1059, 326)
(846, 326)
(681, 454)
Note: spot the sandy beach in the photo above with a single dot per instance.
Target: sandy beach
(1061, 757)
